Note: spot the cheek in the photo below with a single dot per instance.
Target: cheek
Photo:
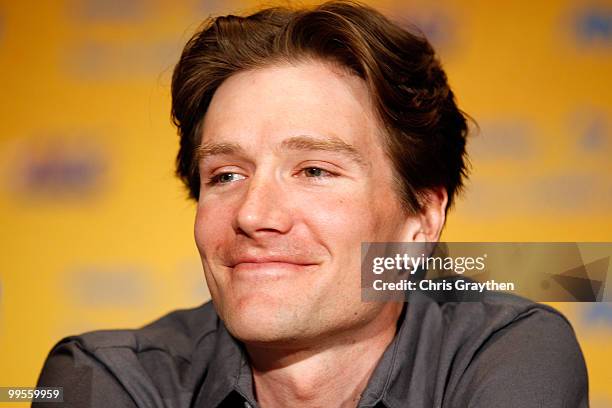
(210, 231)
(210, 228)
(340, 220)
(346, 219)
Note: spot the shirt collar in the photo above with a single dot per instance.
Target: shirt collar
(416, 344)
(229, 377)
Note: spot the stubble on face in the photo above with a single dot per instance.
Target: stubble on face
(281, 249)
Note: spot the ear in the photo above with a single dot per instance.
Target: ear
(430, 219)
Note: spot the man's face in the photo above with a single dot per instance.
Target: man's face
(293, 178)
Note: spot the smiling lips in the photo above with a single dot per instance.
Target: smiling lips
(262, 267)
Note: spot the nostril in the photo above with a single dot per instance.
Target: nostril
(262, 211)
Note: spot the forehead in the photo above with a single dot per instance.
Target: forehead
(270, 104)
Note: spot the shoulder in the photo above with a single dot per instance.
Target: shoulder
(178, 333)
(137, 365)
(495, 312)
(509, 351)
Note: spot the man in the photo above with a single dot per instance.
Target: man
(303, 134)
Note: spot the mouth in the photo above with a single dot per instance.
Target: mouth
(270, 260)
(266, 268)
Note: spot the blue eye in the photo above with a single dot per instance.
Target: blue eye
(316, 172)
(225, 178)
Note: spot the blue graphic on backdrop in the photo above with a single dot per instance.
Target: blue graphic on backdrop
(191, 275)
(437, 25)
(594, 131)
(594, 25)
(594, 137)
(109, 286)
(508, 139)
(598, 313)
(136, 60)
(59, 166)
(109, 10)
(567, 192)
(559, 194)
(207, 8)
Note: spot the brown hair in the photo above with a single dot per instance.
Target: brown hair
(425, 132)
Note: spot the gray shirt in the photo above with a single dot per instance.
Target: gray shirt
(500, 352)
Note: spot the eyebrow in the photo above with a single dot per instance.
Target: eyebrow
(304, 143)
(215, 149)
(329, 144)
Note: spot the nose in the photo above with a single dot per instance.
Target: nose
(263, 210)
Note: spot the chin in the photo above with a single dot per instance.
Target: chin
(259, 319)
(261, 331)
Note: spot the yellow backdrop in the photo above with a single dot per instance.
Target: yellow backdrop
(96, 232)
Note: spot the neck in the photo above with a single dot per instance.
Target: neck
(334, 373)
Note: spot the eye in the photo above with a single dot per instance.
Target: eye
(316, 172)
(225, 178)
